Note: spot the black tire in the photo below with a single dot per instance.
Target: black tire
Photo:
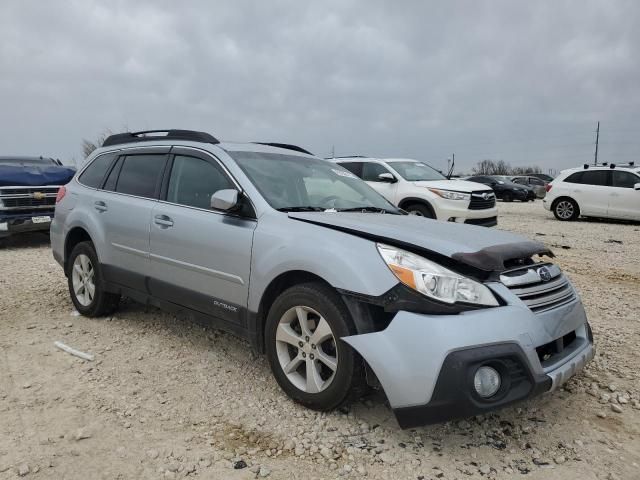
(566, 209)
(507, 197)
(347, 383)
(103, 302)
(420, 210)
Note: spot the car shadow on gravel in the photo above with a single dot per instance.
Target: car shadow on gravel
(25, 240)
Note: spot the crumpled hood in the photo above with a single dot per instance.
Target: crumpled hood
(479, 247)
(32, 175)
(455, 185)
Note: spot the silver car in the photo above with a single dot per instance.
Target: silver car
(337, 286)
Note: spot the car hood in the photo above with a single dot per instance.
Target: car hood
(482, 248)
(34, 175)
(455, 185)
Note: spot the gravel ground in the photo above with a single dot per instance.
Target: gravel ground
(166, 398)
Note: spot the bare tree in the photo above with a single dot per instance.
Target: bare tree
(500, 167)
(88, 146)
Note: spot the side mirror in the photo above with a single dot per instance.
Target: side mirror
(387, 177)
(636, 186)
(225, 200)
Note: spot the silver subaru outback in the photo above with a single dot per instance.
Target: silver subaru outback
(337, 286)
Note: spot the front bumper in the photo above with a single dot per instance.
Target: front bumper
(10, 224)
(452, 211)
(425, 363)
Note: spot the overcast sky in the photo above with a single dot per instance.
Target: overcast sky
(525, 82)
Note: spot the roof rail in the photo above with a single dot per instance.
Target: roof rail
(287, 146)
(347, 156)
(149, 136)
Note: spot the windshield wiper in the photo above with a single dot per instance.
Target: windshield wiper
(301, 208)
(367, 209)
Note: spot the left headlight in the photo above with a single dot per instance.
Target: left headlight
(449, 194)
(434, 280)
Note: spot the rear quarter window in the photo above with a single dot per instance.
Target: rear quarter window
(94, 174)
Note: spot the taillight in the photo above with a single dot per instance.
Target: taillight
(547, 187)
(62, 191)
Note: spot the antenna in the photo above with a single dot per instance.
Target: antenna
(595, 160)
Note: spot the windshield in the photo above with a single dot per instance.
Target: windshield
(295, 182)
(26, 161)
(416, 171)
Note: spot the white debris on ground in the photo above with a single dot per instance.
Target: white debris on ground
(168, 399)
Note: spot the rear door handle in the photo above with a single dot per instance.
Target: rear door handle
(163, 220)
(100, 206)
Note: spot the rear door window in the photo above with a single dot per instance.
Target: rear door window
(595, 177)
(624, 179)
(140, 175)
(94, 174)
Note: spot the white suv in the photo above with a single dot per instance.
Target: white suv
(419, 189)
(607, 191)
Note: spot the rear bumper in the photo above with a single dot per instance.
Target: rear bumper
(426, 363)
(10, 224)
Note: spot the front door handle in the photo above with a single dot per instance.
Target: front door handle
(163, 220)
(100, 206)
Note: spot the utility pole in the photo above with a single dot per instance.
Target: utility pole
(595, 159)
(333, 151)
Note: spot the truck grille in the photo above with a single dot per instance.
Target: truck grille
(479, 202)
(537, 294)
(27, 198)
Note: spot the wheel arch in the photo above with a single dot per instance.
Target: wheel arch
(75, 236)
(405, 202)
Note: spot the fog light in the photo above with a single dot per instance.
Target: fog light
(486, 381)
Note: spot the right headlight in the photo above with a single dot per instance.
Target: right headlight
(434, 280)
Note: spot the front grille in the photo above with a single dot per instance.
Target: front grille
(478, 202)
(540, 296)
(28, 198)
(548, 352)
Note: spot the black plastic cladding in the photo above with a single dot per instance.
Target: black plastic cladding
(143, 136)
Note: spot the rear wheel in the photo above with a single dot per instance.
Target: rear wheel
(419, 210)
(507, 197)
(308, 359)
(566, 209)
(86, 284)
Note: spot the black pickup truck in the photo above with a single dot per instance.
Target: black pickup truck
(28, 189)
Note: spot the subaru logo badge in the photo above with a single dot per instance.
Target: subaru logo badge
(544, 273)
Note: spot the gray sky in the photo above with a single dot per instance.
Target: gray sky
(520, 81)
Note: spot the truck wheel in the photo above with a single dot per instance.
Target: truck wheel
(308, 359)
(419, 210)
(566, 209)
(86, 284)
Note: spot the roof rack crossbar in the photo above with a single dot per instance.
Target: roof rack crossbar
(150, 135)
(287, 146)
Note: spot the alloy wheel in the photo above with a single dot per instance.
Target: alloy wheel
(306, 349)
(564, 209)
(83, 279)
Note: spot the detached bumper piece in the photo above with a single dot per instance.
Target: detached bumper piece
(455, 396)
(483, 222)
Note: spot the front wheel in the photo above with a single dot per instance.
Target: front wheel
(86, 284)
(420, 210)
(566, 209)
(308, 359)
